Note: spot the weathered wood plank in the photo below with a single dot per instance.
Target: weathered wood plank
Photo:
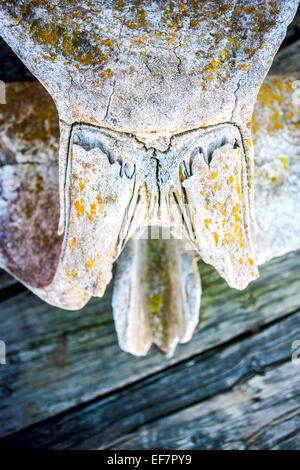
(58, 359)
(257, 414)
(6, 280)
(108, 420)
(9, 287)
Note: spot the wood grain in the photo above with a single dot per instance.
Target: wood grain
(229, 397)
(58, 360)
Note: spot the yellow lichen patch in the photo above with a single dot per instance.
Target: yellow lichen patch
(231, 179)
(283, 160)
(227, 238)
(216, 237)
(216, 187)
(236, 228)
(241, 261)
(91, 263)
(272, 98)
(234, 42)
(206, 222)
(73, 244)
(93, 212)
(79, 207)
(214, 175)
(74, 273)
(236, 208)
(244, 67)
(81, 185)
(100, 203)
(251, 262)
(239, 239)
(155, 303)
(237, 217)
(214, 64)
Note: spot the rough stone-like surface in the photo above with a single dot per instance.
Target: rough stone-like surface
(156, 296)
(155, 104)
(150, 67)
(29, 206)
(275, 126)
(276, 138)
(140, 65)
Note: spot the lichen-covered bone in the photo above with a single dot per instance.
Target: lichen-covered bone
(276, 138)
(277, 175)
(28, 181)
(153, 70)
(29, 208)
(156, 295)
(202, 175)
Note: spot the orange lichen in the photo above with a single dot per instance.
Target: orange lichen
(92, 213)
(216, 237)
(91, 263)
(206, 222)
(283, 160)
(81, 185)
(79, 207)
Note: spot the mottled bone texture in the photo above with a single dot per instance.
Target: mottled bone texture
(277, 179)
(156, 295)
(29, 208)
(155, 104)
(160, 69)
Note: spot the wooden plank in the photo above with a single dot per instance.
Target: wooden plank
(105, 422)
(6, 280)
(59, 359)
(259, 413)
(9, 287)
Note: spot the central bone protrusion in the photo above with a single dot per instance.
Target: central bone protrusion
(116, 186)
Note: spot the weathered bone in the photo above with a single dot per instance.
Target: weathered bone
(145, 69)
(29, 209)
(155, 106)
(276, 138)
(156, 295)
(277, 176)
